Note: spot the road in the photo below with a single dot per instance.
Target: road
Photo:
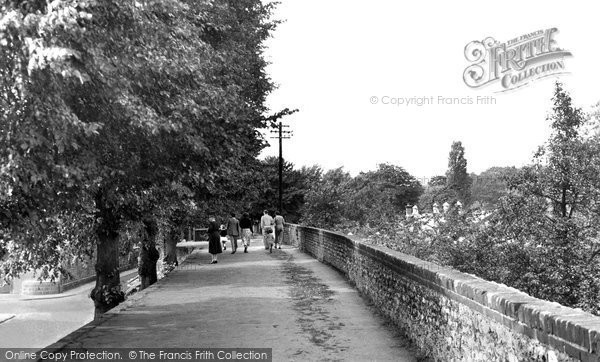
(42, 320)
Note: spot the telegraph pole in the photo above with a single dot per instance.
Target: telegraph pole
(281, 135)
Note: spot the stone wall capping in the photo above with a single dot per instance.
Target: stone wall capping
(589, 332)
(566, 325)
(460, 278)
(443, 280)
(578, 329)
(514, 304)
(477, 290)
(529, 314)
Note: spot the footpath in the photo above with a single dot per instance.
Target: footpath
(287, 301)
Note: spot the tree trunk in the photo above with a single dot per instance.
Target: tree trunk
(148, 255)
(107, 293)
(171, 247)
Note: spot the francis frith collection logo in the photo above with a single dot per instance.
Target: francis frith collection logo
(514, 63)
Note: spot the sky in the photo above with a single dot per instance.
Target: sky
(338, 62)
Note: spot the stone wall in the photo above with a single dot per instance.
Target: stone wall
(453, 316)
(36, 287)
(81, 272)
(84, 271)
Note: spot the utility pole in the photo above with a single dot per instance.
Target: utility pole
(281, 136)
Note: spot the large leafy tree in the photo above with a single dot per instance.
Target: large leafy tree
(543, 235)
(457, 178)
(436, 192)
(559, 194)
(326, 202)
(371, 198)
(491, 185)
(254, 187)
(112, 106)
(296, 184)
(382, 195)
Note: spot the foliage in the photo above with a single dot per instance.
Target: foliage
(490, 185)
(296, 183)
(559, 195)
(435, 194)
(541, 234)
(457, 178)
(326, 202)
(371, 198)
(381, 195)
(454, 186)
(112, 108)
(254, 187)
(438, 181)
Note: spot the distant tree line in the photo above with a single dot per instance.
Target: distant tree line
(371, 198)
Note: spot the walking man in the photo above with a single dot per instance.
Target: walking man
(233, 232)
(279, 224)
(266, 225)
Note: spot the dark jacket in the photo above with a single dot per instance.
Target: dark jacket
(245, 223)
(212, 227)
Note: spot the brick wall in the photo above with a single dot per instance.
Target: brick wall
(451, 315)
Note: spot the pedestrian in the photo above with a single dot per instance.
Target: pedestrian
(223, 233)
(233, 232)
(266, 225)
(279, 224)
(214, 239)
(246, 225)
(270, 239)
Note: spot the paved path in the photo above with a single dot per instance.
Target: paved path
(287, 301)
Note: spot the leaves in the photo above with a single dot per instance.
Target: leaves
(115, 110)
(371, 198)
(457, 178)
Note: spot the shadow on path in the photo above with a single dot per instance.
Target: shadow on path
(286, 301)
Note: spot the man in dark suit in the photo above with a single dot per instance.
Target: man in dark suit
(233, 231)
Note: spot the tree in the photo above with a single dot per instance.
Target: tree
(382, 195)
(490, 185)
(437, 181)
(296, 184)
(326, 202)
(109, 107)
(436, 192)
(551, 214)
(371, 198)
(457, 178)
(175, 217)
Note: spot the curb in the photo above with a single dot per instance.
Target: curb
(73, 337)
(132, 300)
(6, 317)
